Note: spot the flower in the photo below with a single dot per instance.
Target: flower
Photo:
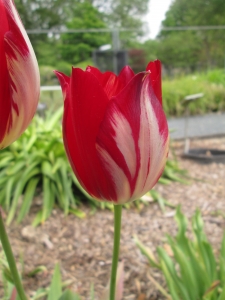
(19, 76)
(115, 131)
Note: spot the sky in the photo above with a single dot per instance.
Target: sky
(157, 11)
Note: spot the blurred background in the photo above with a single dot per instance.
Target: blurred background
(187, 36)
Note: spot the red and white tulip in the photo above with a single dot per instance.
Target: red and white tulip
(115, 131)
(19, 76)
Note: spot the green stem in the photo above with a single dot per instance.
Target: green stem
(11, 261)
(116, 249)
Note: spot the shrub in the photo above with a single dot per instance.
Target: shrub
(212, 85)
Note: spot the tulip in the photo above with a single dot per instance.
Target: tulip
(115, 131)
(19, 76)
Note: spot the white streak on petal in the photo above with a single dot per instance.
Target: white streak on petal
(153, 149)
(24, 72)
(124, 140)
(119, 178)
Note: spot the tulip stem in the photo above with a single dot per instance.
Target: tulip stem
(116, 249)
(11, 261)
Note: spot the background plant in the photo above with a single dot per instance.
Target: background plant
(192, 271)
(36, 160)
(211, 84)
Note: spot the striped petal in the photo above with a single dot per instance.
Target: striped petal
(154, 67)
(111, 83)
(64, 82)
(19, 77)
(115, 131)
(108, 80)
(84, 109)
(133, 139)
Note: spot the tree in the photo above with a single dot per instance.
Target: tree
(79, 14)
(76, 47)
(192, 48)
(42, 14)
(124, 14)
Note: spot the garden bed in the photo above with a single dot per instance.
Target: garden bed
(84, 246)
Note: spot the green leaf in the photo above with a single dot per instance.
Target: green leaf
(46, 169)
(222, 263)
(27, 199)
(37, 270)
(173, 280)
(48, 199)
(7, 275)
(18, 191)
(31, 141)
(9, 190)
(147, 253)
(4, 161)
(69, 295)
(39, 294)
(38, 218)
(55, 290)
(50, 124)
(222, 295)
(77, 212)
(16, 167)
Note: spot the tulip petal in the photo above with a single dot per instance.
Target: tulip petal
(126, 74)
(133, 139)
(155, 74)
(64, 82)
(4, 79)
(20, 77)
(153, 141)
(108, 80)
(84, 109)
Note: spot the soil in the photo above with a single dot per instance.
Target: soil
(84, 246)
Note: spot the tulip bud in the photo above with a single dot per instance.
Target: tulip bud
(19, 76)
(115, 131)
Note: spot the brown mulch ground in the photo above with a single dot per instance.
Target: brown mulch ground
(84, 246)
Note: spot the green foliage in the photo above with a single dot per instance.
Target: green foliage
(128, 14)
(192, 271)
(76, 47)
(37, 14)
(78, 14)
(211, 84)
(55, 290)
(74, 14)
(151, 48)
(35, 160)
(42, 14)
(202, 49)
(186, 55)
